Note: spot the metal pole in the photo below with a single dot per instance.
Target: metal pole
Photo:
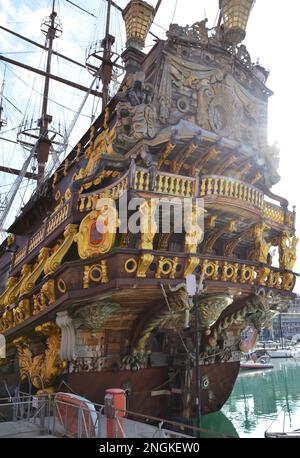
(280, 330)
(198, 374)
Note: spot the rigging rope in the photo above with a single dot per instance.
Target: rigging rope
(80, 8)
(174, 12)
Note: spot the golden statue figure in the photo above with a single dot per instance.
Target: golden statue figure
(261, 250)
(148, 224)
(287, 251)
(193, 230)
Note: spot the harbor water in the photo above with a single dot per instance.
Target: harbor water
(259, 398)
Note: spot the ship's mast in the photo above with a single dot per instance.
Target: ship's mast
(107, 63)
(39, 143)
(44, 143)
(3, 121)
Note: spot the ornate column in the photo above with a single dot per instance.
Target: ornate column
(67, 345)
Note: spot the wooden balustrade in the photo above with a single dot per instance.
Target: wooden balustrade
(165, 183)
(89, 202)
(48, 227)
(231, 188)
(273, 213)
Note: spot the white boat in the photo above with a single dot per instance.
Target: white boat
(254, 363)
(281, 434)
(281, 353)
(292, 434)
(275, 350)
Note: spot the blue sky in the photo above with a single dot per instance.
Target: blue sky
(272, 37)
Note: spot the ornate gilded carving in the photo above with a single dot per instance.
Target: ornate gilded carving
(68, 194)
(96, 273)
(193, 230)
(7, 321)
(210, 269)
(163, 241)
(192, 263)
(10, 239)
(125, 240)
(210, 309)
(262, 248)
(175, 315)
(148, 225)
(145, 261)
(210, 222)
(48, 289)
(288, 281)
(39, 303)
(90, 241)
(94, 316)
(22, 311)
(166, 266)
(195, 34)
(44, 368)
(45, 297)
(263, 275)
(247, 274)
(14, 291)
(165, 154)
(136, 114)
(60, 250)
(274, 280)
(11, 282)
(54, 180)
(256, 312)
(103, 144)
(230, 272)
(29, 281)
(287, 251)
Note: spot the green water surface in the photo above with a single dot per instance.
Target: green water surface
(257, 399)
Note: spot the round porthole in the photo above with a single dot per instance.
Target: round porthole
(167, 267)
(205, 382)
(247, 274)
(96, 273)
(209, 270)
(229, 271)
(130, 265)
(61, 286)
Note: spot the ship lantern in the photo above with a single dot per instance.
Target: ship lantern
(138, 16)
(235, 17)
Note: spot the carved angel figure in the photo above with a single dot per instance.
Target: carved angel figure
(262, 248)
(148, 224)
(44, 367)
(287, 251)
(193, 230)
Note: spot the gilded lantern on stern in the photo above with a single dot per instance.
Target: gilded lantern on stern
(138, 16)
(235, 17)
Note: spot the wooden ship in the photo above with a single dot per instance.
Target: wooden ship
(111, 309)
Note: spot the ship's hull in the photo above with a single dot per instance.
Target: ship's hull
(150, 391)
